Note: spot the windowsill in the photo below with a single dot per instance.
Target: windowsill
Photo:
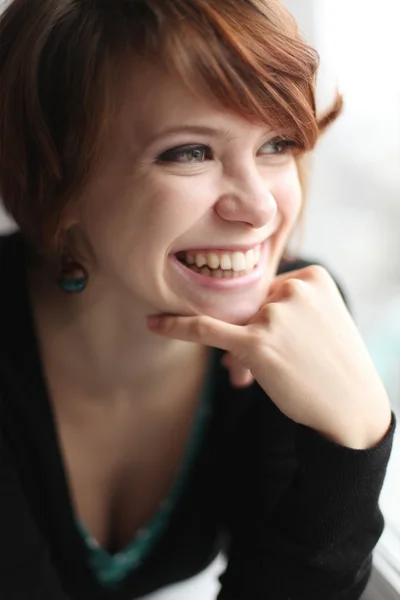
(379, 588)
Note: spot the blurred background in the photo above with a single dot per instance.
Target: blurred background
(353, 218)
(352, 223)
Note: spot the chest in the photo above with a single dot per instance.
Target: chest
(121, 461)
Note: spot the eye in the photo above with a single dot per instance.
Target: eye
(192, 153)
(278, 145)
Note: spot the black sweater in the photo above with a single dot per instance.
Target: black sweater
(296, 514)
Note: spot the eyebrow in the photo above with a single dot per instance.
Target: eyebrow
(196, 129)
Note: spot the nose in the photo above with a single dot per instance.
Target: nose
(249, 200)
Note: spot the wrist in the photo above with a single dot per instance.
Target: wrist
(363, 435)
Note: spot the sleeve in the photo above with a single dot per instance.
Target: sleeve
(25, 565)
(301, 513)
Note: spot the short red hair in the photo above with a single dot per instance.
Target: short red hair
(59, 66)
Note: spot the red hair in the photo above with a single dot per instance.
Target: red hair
(59, 66)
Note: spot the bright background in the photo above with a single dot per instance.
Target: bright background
(353, 217)
(353, 221)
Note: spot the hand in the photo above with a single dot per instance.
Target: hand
(239, 375)
(305, 351)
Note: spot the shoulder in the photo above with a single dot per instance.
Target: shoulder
(13, 253)
(12, 257)
(14, 307)
(12, 274)
(9, 243)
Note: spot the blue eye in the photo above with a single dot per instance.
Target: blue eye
(278, 146)
(192, 154)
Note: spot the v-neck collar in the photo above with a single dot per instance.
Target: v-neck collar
(60, 511)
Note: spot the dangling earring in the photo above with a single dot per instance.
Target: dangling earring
(72, 278)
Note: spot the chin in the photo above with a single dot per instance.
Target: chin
(237, 309)
(237, 314)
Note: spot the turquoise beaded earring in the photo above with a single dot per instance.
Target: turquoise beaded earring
(72, 278)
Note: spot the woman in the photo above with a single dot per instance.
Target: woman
(151, 153)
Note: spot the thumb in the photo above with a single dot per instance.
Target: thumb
(201, 329)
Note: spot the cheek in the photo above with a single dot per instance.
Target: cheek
(176, 206)
(143, 219)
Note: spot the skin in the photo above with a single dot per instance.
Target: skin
(138, 210)
(124, 391)
(124, 398)
(332, 387)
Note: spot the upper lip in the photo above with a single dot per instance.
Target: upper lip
(223, 248)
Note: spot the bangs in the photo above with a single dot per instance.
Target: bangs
(61, 64)
(246, 55)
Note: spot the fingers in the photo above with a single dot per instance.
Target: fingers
(282, 286)
(312, 272)
(201, 329)
(239, 375)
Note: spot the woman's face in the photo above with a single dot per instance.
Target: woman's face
(182, 181)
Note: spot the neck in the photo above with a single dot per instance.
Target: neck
(100, 340)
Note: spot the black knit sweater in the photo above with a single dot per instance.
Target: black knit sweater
(296, 514)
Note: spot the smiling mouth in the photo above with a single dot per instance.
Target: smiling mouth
(223, 264)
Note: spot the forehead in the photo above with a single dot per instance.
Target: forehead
(151, 99)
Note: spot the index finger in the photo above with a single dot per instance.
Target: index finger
(200, 329)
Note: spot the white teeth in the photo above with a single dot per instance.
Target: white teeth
(200, 260)
(238, 262)
(225, 262)
(217, 273)
(250, 260)
(213, 261)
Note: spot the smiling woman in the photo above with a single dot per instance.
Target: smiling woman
(152, 155)
(232, 112)
(247, 56)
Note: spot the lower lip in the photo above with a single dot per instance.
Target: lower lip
(236, 283)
